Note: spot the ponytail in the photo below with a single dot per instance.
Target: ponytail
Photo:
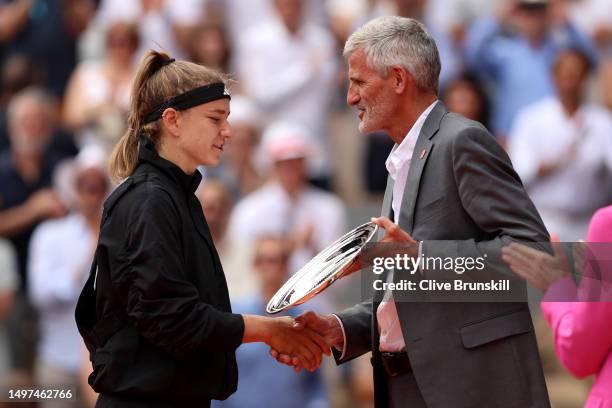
(124, 158)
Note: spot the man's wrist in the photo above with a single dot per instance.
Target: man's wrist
(335, 332)
(341, 345)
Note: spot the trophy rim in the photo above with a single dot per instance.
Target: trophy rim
(318, 266)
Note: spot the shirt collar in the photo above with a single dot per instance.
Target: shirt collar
(147, 153)
(402, 154)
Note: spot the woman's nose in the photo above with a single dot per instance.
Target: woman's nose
(226, 131)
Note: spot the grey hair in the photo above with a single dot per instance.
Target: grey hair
(393, 40)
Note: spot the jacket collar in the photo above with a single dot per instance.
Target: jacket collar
(148, 154)
(433, 120)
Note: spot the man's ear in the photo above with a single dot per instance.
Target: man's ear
(171, 121)
(401, 78)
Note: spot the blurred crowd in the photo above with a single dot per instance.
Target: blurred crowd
(296, 174)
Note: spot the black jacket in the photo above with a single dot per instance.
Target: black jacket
(159, 324)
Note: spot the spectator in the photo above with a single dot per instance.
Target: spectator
(454, 17)
(46, 31)
(61, 252)
(449, 59)
(561, 148)
(605, 78)
(9, 282)
(242, 15)
(263, 382)
(26, 170)
(98, 95)
(287, 205)
(594, 17)
(235, 254)
(419, 10)
(26, 199)
(209, 46)
(465, 97)
(288, 66)
(17, 73)
(238, 169)
(162, 24)
(515, 52)
(346, 16)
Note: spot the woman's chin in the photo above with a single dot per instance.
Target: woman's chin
(212, 161)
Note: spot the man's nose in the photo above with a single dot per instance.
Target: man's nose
(352, 97)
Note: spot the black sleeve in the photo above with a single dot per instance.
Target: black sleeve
(159, 301)
(357, 331)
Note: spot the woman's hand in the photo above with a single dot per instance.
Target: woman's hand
(326, 326)
(304, 345)
(539, 268)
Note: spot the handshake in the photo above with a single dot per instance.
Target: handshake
(299, 342)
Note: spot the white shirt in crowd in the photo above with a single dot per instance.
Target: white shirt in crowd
(544, 134)
(398, 164)
(9, 282)
(270, 211)
(60, 258)
(445, 15)
(242, 15)
(590, 15)
(155, 26)
(291, 78)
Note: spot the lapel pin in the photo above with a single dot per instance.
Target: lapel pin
(423, 153)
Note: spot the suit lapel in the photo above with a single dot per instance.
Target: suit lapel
(421, 153)
(386, 206)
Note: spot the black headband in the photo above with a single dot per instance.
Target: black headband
(189, 99)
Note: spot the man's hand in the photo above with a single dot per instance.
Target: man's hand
(327, 327)
(45, 203)
(304, 345)
(393, 233)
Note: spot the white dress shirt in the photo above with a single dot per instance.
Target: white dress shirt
(398, 164)
(271, 211)
(582, 144)
(291, 77)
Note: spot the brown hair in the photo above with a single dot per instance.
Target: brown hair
(157, 80)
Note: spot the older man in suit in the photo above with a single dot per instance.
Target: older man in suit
(452, 190)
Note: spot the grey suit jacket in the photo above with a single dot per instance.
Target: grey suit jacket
(462, 198)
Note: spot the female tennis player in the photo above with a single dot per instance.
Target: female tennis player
(155, 313)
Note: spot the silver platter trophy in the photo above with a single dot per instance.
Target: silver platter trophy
(322, 270)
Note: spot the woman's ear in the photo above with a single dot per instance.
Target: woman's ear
(171, 121)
